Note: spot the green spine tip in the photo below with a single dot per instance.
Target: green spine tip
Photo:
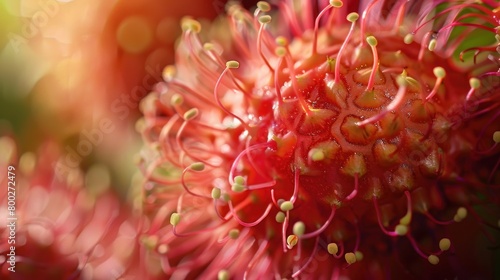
(352, 17)
(286, 206)
(239, 180)
(237, 188)
(406, 220)
(176, 100)
(234, 233)
(197, 166)
(280, 217)
(401, 230)
(299, 228)
(232, 64)
(474, 83)
(263, 6)
(439, 72)
(150, 241)
(280, 51)
(265, 19)
(432, 45)
(191, 114)
(372, 41)
(336, 3)
(175, 218)
(216, 193)
(316, 154)
(359, 256)
(401, 81)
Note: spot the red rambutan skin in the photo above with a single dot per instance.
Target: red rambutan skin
(338, 137)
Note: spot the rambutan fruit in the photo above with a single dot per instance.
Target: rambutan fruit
(320, 139)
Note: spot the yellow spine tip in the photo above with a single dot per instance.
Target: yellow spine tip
(208, 46)
(223, 275)
(462, 213)
(292, 240)
(333, 248)
(433, 259)
(189, 24)
(444, 244)
(169, 72)
(281, 41)
(496, 136)
(350, 258)
(406, 220)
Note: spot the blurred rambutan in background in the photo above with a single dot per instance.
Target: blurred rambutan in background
(323, 139)
(62, 227)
